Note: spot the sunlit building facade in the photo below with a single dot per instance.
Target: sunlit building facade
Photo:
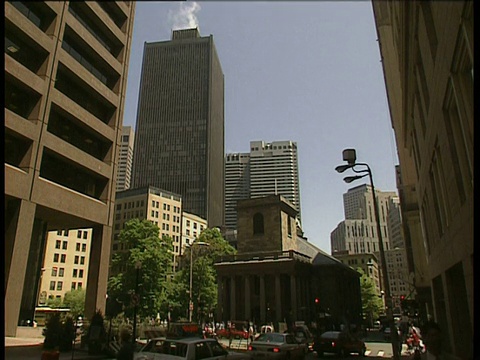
(427, 50)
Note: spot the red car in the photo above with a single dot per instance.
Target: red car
(232, 333)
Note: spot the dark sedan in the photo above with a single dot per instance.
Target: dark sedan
(340, 343)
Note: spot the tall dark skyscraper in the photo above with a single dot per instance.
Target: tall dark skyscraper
(180, 139)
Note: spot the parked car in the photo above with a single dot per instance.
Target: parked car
(340, 343)
(273, 345)
(194, 348)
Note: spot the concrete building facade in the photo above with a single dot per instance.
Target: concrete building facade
(66, 67)
(179, 133)
(427, 50)
(237, 185)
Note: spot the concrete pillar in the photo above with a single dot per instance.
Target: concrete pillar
(248, 312)
(95, 297)
(233, 304)
(293, 296)
(263, 314)
(19, 237)
(278, 299)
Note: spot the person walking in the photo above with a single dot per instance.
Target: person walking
(127, 349)
(433, 341)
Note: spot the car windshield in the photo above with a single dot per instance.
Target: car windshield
(271, 337)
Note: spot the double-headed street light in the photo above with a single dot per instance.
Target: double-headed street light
(190, 305)
(349, 155)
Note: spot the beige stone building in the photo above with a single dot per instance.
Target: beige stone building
(65, 265)
(161, 207)
(192, 226)
(427, 51)
(66, 67)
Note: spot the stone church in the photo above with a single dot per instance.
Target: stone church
(279, 277)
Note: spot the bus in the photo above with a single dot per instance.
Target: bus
(43, 313)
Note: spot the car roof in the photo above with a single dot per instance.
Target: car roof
(183, 340)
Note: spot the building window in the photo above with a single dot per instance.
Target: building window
(79, 285)
(82, 260)
(84, 247)
(57, 244)
(63, 258)
(54, 271)
(77, 247)
(64, 245)
(79, 234)
(85, 235)
(52, 285)
(80, 273)
(258, 227)
(73, 285)
(61, 271)
(76, 259)
(55, 257)
(75, 273)
(59, 285)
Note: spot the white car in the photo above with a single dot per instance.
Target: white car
(194, 348)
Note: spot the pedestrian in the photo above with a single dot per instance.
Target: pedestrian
(127, 349)
(433, 341)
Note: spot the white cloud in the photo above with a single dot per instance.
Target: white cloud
(185, 16)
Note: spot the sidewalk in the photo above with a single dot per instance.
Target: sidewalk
(23, 348)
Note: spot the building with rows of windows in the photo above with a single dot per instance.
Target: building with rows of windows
(66, 66)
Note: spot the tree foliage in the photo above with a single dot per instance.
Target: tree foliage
(75, 301)
(142, 245)
(372, 304)
(204, 284)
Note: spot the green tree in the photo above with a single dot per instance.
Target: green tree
(204, 284)
(75, 301)
(54, 302)
(372, 303)
(140, 239)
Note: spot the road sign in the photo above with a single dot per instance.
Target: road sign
(135, 299)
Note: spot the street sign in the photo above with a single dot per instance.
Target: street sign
(135, 299)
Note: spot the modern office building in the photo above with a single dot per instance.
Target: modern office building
(269, 169)
(427, 52)
(161, 207)
(237, 185)
(125, 159)
(179, 140)
(66, 67)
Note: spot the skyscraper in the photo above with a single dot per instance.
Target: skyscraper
(179, 141)
(269, 169)
(125, 159)
(66, 65)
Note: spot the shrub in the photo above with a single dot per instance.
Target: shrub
(52, 332)
(68, 334)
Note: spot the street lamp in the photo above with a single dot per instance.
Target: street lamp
(136, 299)
(349, 155)
(190, 305)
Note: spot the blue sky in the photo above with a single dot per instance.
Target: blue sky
(309, 72)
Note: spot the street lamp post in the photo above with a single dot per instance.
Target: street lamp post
(136, 299)
(190, 305)
(349, 155)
